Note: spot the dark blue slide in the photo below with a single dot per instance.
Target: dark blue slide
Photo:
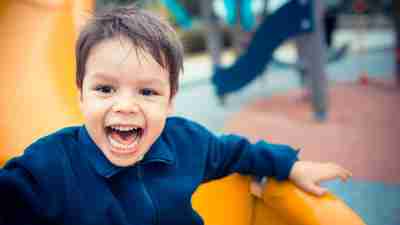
(293, 18)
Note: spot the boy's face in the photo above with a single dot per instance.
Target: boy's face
(125, 100)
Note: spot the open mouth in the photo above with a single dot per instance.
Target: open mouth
(124, 137)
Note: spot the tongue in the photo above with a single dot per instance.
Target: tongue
(124, 137)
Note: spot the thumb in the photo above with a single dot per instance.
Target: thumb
(315, 189)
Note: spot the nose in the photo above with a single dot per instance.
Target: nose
(125, 104)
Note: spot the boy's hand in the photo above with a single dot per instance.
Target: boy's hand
(307, 175)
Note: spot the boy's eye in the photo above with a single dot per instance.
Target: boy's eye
(105, 89)
(148, 92)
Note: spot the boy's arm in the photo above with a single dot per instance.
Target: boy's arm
(19, 202)
(232, 153)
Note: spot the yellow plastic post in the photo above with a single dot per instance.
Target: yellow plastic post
(83, 10)
(37, 87)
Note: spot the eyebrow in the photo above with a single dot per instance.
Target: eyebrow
(102, 76)
(155, 81)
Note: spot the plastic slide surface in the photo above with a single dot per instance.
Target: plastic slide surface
(37, 91)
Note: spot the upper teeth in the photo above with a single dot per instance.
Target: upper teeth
(124, 128)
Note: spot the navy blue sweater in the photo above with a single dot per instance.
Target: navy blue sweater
(64, 178)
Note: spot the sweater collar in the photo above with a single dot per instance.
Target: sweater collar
(160, 152)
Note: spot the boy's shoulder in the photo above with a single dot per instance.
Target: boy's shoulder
(42, 170)
(181, 132)
(47, 151)
(56, 139)
(179, 124)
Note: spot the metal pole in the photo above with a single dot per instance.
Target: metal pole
(213, 34)
(312, 54)
(236, 32)
(396, 18)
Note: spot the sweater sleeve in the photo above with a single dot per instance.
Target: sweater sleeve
(231, 153)
(20, 201)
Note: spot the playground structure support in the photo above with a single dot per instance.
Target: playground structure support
(312, 54)
(237, 31)
(396, 19)
(214, 36)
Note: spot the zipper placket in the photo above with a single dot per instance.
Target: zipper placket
(147, 194)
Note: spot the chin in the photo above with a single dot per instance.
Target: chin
(123, 160)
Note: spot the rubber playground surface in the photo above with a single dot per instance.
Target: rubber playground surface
(361, 133)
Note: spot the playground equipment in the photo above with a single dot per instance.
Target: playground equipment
(246, 14)
(396, 19)
(260, 50)
(181, 16)
(360, 7)
(38, 95)
(184, 20)
(300, 17)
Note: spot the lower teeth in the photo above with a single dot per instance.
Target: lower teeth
(122, 146)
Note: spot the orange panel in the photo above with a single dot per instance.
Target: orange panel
(225, 202)
(37, 87)
(83, 10)
(289, 205)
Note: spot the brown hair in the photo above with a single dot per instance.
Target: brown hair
(146, 31)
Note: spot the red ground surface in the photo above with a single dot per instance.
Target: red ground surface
(362, 131)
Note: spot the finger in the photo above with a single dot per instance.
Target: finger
(350, 174)
(331, 176)
(345, 175)
(335, 171)
(314, 189)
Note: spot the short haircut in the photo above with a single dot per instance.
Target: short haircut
(146, 31)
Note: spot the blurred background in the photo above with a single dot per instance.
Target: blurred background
(329, 86)
(323, 76)
(215, 33)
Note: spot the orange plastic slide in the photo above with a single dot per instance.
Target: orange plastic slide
(38, 95)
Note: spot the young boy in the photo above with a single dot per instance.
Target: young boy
(130, 163)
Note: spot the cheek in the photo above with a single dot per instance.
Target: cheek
(93, 109)
(156, 114)
(160, 109)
